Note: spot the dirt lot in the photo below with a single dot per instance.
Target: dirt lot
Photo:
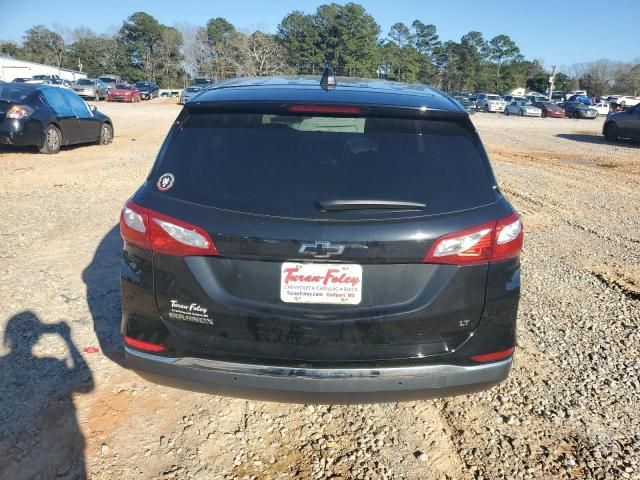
(570, 408)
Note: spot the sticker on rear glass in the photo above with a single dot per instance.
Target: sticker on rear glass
(190, 312)
(165, 182)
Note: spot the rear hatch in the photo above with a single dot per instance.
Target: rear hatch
(321, 224)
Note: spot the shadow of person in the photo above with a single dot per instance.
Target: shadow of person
(39, 432)
(102, 279)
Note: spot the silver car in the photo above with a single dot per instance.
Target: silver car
(90, 88)
(524, 109)
(189, 92)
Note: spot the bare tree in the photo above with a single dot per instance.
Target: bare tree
(258, 54)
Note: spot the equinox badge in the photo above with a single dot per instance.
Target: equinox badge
(321, 249)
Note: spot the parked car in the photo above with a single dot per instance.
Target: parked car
(602, 108)
(20, 79)
(580, 93)
(188, 93)
(579, 98)
(473, 98)
(550, 109)
(468, 105)
(535, 98)
(48, 79)
(203, 82)
(578, 110)
(623, 124)
(513, 98)
(490, 103)
(49, 117)
(124, 92)
(558, 96)
(627, 100)
(90, 88)
(110, 80)
(522, 109)
(312, 249)
(148, 90)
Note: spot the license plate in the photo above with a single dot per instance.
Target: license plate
(321, 283)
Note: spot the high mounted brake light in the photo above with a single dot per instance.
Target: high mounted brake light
(484, 243)
(161, 233)
(336, 109)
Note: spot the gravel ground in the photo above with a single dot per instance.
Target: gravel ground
(568, 410)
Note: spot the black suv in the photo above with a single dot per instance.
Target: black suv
(300, 240)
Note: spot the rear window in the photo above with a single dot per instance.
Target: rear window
(284, 165)
(14, 93)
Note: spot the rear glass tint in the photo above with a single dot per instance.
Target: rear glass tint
(14, 93)
(285, 165)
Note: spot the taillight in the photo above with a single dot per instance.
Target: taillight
(163, 234)
(488, 242)
(19, 112)
(472, 245)
(140, 345)
(493, 356)
(509, 237)
(134, 225)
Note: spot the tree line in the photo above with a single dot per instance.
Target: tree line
(344, 36)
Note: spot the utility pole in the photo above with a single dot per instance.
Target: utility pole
(552, 81)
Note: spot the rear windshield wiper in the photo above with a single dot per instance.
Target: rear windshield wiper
(338, 205)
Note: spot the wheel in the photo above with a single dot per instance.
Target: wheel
(106, 134)
(611, 132)
(52, 140)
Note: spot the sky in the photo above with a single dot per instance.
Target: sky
(560, 32)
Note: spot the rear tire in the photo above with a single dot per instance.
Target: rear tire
(611, 132)
(52, 140)
(106, 134)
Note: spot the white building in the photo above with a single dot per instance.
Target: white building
(11, 68)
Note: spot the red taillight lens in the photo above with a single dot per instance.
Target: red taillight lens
(175, 237)
(493, 356)
(134, 225)
(19, 112)
(488, 242)
(337, 109)
(163, 234)
(146, 346)
(469, 246)
(509, 238)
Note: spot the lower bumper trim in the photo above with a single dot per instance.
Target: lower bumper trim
(352, 385)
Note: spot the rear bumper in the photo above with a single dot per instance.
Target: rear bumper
(318, 385)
